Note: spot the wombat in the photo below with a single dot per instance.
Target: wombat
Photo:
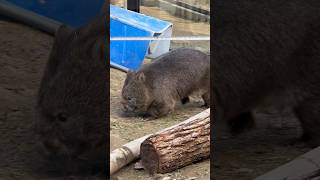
(73, 96)
(156, 87)
(263, 49)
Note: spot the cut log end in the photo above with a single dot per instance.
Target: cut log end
(151, 159)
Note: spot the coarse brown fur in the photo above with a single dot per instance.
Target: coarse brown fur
(264, 49)
(156, 87)
(72, 99)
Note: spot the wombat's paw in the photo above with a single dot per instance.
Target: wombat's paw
(161, 113)
(154, 112)
(127, 114)
(149, 118)
(146, 117)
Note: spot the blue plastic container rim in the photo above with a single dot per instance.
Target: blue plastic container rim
(138, 20)
(71, 12)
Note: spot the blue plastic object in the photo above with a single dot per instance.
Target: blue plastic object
(129, 55)
(72, 12)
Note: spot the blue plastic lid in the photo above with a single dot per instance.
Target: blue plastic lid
(138, 20)
(72, 12)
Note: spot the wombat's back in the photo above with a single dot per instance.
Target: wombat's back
(180, 68)
(182, 57)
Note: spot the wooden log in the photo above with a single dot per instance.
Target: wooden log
(131, 151)
(125, 154)
(178, 146)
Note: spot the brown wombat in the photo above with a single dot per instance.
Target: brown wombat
(73, 96)
(264, 49)
(156, 87)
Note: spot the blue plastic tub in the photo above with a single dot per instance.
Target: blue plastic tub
(72, 12)
(123, 23)
(129, 55)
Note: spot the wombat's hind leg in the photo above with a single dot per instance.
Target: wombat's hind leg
(206, 99)
(308, 113)
(185, 100)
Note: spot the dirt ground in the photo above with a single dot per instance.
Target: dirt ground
(274, 142)
(23, 54)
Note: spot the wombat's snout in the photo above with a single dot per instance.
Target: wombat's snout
(124, 105)
(127, 107)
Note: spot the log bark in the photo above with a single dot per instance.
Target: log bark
(131, 151)
(178, 146)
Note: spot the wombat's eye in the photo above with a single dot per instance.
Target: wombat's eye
(62, 117)
(129, 98)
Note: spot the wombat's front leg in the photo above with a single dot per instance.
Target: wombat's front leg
(309, 113)
(159, 109)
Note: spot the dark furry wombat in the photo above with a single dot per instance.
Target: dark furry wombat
(264, 49)
(73, 95)
(172, 77)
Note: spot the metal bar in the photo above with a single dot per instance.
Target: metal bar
(181, 38)
(119, 67)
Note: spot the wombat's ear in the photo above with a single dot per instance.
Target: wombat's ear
(130, 73)
(58, 50)
(140, 76)
(57, 54)
(94, 36)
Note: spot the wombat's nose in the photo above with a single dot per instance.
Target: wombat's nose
(125, 108)
(124, 105)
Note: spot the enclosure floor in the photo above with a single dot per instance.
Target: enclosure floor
(274, 142)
